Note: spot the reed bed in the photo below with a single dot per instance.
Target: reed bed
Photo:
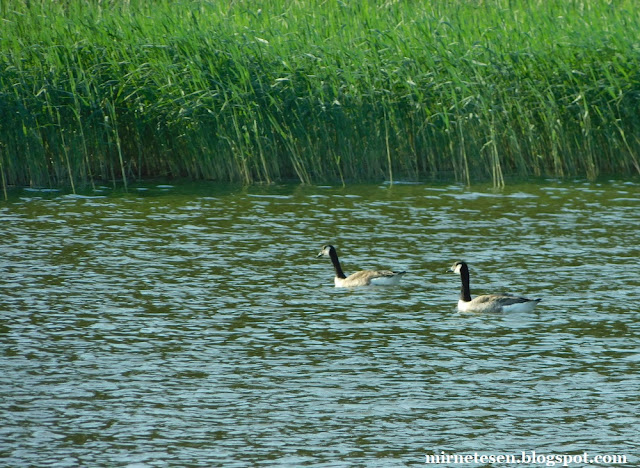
(317, 90)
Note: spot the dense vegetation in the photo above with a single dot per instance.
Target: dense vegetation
(317, 90)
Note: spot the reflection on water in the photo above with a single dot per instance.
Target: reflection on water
(193, 326)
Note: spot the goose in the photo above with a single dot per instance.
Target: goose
(359, 278)
(489, 302)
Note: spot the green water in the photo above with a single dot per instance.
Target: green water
(193, 325)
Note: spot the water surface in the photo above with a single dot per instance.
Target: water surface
(193, 325)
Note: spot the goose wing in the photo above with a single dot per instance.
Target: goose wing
(502, 302)
(367, 277)
(508, 299)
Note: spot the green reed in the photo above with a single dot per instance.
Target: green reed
(319, 90)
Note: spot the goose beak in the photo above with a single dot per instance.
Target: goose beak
(319, 255)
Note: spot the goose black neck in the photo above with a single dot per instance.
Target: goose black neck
(336, 264)
(465, 291)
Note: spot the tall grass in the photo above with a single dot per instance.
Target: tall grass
(317, 90)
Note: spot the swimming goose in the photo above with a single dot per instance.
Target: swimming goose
(489, 302)
(360, 278)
